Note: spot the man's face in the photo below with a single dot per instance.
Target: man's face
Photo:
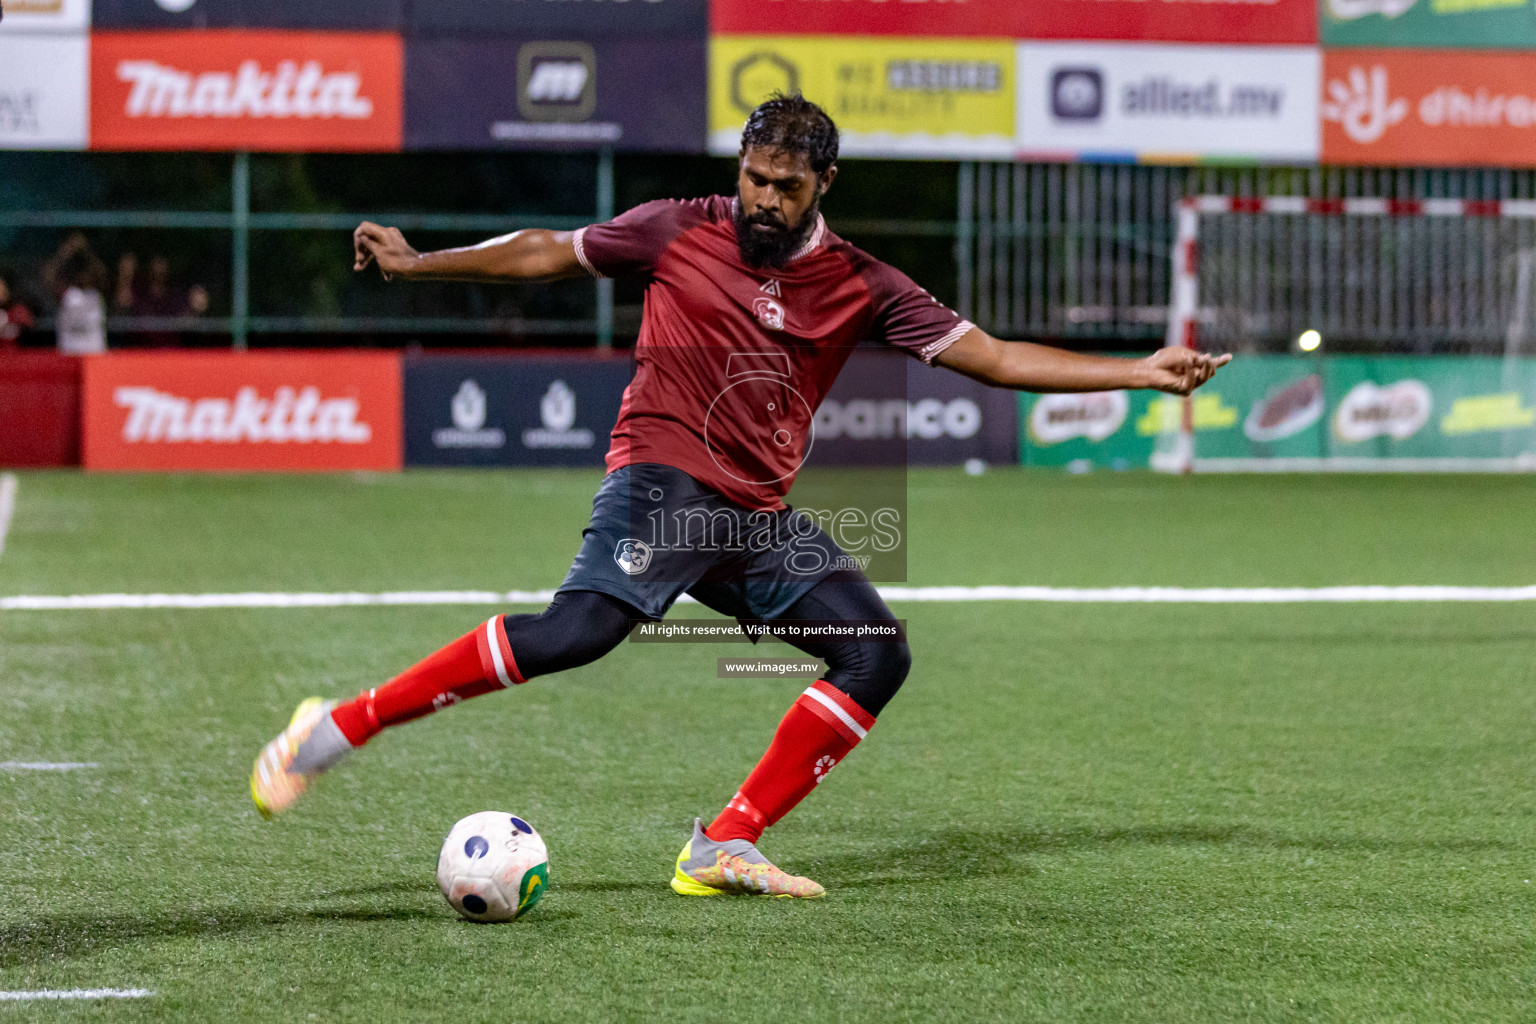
(779, 196)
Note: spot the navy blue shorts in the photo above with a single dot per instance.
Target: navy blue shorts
(657, 533)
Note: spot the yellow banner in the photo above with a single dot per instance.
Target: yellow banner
(889, 96)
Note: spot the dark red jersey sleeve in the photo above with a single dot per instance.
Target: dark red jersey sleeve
(907, 317)
(632, 243)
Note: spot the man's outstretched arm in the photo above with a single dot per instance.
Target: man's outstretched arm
(529, 255)
(1025, 366)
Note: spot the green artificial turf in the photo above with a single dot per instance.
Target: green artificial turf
(1070, 813)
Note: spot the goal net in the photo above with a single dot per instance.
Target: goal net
(1374, 334)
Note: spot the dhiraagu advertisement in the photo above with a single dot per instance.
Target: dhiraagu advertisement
(890, 97)
(1283, 412)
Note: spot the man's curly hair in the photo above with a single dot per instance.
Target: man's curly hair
(792, 124)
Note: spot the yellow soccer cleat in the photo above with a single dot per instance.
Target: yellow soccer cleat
(708, 868)
(276, 781)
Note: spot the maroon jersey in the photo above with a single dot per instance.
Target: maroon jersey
(732, 360)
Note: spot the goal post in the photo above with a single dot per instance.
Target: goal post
(1420, 314)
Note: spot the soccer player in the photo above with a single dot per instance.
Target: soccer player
(752, 306)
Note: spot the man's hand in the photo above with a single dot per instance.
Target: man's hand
(1179, 370)
(387, 247)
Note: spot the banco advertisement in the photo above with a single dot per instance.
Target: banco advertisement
(888, 409)
(1129, 100)
(1441, 107)
(946, 98)
(627, 93)
(511, 410)
(285, 91)
(282, 411)
(43, 86)
(1486, 24)
(1194, 21)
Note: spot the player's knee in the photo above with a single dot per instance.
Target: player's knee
(576, 629)
(870, 673)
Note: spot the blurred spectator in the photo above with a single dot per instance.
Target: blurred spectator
(77, 279)
(151, 295)
(15, 317)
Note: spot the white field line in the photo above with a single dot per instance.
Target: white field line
(23, 996)
(916, 595)
(8, 487)
(46, 766)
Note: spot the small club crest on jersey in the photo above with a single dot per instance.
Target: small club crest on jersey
(633, 556)
(769, 313)
(770, 287)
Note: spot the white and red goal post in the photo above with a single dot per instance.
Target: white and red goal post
(1393, 276)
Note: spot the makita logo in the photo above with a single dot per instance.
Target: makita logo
(290, 91)
(288, 417)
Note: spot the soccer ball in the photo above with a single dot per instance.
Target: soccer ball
(493, 867)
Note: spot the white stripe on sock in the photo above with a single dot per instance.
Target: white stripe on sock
(501, 666)
(832, 705)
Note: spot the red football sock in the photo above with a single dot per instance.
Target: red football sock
(475, 663)
(821, 727)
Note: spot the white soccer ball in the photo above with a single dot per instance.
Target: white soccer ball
(493, 867)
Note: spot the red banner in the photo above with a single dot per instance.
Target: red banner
(1189, 21)
(39, 409)
(1440, 107)
(284, 411)
(266, 90)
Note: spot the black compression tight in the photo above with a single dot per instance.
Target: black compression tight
(577, 628)
(580, 626)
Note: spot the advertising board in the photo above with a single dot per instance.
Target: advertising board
(357, 15)
(511, 410)
(1167, 102)
(268, 90)
(26, 17)
(945, 98)
(285, 411)
(43, 87)
(917, 415)
(1486, 24)
(567, 19)
(1438, 107)
(1192, 21)
(628, 93)
(1308, 413)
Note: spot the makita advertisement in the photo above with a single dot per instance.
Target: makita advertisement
(560, 19)
(498, 93)
(283, 411)
(888, 409)
(1129, 101)
(43, 85)
(276, 91)
(511, 410)
(334, 14)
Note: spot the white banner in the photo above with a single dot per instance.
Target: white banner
(1168, 101)
(44, 16)
(43, 90)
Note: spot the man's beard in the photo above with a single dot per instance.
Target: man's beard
(772, 249)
